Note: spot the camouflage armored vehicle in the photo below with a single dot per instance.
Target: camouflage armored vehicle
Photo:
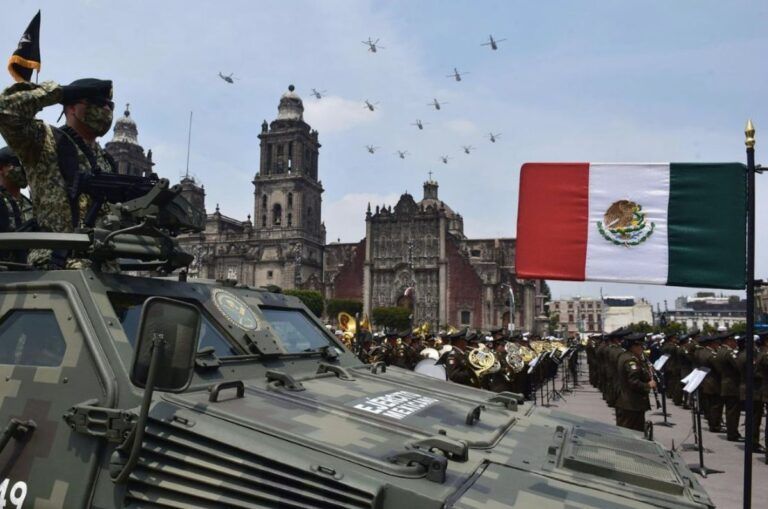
(126, 391)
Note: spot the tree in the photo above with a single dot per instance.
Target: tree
(643, 327)
(708, 329)
(335, 306)
(739, 328)
(554, 323)
(312, 299)
(392, 318)
(674, 328)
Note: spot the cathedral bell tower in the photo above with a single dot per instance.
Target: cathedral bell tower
(125, 149)
(288, 195)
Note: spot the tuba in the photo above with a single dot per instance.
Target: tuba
(348, 326)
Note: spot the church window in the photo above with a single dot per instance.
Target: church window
(290, 155)
(264, 220)
(279, 151)
(475, 253)
(264, 201)
(290, 200)
(307, 158)
(290, 219)
(570, 318)
(269, 274)
(277, 214)
(309, 216)
(465, 317)
(232, 273)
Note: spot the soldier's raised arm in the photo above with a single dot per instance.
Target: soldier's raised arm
(19, 104)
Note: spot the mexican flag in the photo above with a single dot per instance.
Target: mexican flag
(679, 224)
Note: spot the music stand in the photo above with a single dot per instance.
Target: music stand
(531, 368)
(693, 387)
(557, 362)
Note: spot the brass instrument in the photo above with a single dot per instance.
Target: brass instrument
(480, 361)
(348, 326)
(514, 357)
(527, 354)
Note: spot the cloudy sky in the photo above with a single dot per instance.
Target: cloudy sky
(574, 81)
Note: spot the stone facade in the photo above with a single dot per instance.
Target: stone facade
(125, 149)
(415, 254)
(578, 315)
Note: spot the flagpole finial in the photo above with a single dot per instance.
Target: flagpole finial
(750, 132)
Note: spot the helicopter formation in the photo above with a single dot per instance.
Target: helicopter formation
(373, 46)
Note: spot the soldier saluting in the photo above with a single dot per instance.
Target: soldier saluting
(635, 384)
(54, 158)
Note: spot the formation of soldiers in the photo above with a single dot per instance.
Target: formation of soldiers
(620, 365)
(496, 360)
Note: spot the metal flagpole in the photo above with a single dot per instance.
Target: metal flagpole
(750, 342)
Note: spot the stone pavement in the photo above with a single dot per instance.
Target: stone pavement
(724, 489)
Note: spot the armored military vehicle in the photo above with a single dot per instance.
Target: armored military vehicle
(131, 391)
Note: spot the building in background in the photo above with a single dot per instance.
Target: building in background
(414, 254)
(621, 311)
(705, 308)
(582, 315)
(761, 306)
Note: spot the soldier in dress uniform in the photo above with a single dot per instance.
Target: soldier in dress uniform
(591, 348)
(728, 369)
(55, 157)
(758, 387)
(615, 350)
(709, 390)
(672, 369)
(761, 366)
(685, 359)
(600, 357)
(635, 384)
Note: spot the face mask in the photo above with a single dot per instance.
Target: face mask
(98, 119)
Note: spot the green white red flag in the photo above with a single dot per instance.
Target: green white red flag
(679, 224)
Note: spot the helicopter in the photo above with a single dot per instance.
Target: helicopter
(228, 79)
(369, 105)
(493, 43)
(371, 149)
(468, 148)
(419, 124)
(318, 94)
(456, 74)
(444, 159)
(401, 153)
(493, 137)
(372, 45)
(435, 103)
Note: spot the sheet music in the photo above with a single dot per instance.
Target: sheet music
(695, 378)
(659, 364)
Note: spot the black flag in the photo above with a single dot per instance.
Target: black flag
(26, 58)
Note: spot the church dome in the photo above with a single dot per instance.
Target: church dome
(291, 106)
(125, 129)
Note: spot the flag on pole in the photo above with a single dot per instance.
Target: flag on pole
(26, 58)
(679, 224)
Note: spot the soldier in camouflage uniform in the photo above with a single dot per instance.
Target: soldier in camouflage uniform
(15, 208)
(635, 383)
(52, 157)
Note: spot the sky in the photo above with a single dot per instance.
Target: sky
(583, 80)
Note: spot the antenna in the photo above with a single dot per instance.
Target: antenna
(189, 143)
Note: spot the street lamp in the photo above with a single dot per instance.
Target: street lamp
(511, 324)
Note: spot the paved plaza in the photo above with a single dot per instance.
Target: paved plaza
(725, 488)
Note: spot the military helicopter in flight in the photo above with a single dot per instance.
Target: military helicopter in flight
(493, 137)
(373, 45)
(468, 148)
(369, 105)
(371, 149)
(318, 94)
(493, 43)
(444, 159)
(456, 74)
(420, 124)
(229, 79)
(401, 153)
(436, 104)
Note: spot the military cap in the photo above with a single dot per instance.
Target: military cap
(723, 335)
(8, 156)
(633, 338)
(405, 333)
(703, 340)
(90, 89)
(458, 335)
(498, 330)
(620, 333)
(471, 336)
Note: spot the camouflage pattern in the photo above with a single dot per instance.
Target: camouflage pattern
(34, 143)
(315, 445)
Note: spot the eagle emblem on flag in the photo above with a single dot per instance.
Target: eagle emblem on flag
(624, 224)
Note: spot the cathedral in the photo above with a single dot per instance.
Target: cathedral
(414, 254)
